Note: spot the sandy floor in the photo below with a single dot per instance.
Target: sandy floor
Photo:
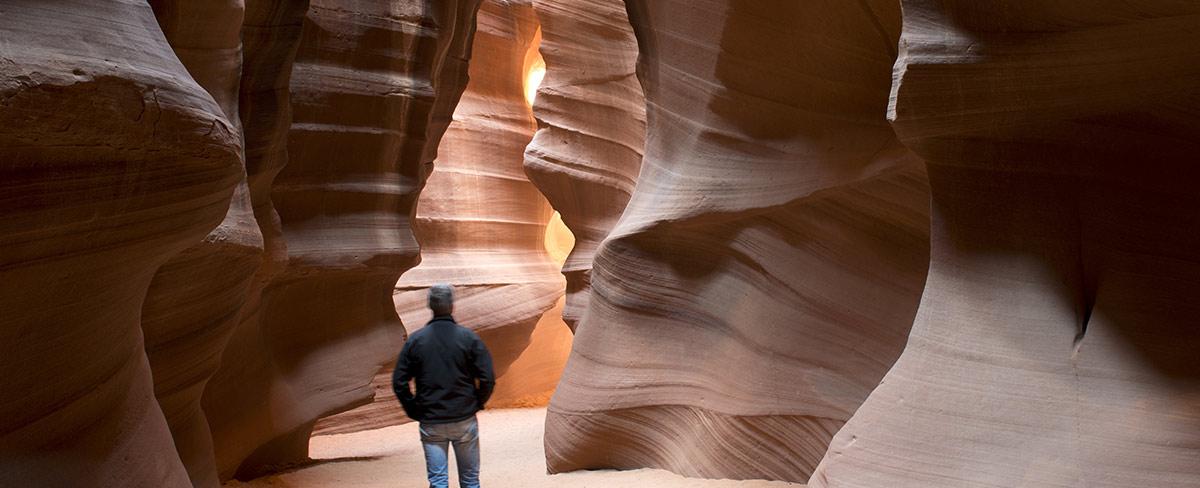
(512, 457)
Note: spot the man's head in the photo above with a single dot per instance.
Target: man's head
(441, 299)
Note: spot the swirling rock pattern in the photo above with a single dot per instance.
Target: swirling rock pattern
(114, 160)
(767, 268)
(365, 88)
(195, 298)
(1055, 343)
(592, 125)
(481, 223)
(270, 35)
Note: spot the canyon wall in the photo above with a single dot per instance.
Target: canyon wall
(1056, 340)
(194, 300)
(114, 161)
(206, 207)
(591, 120)
(140, 256)
(480, 222)
(766, 271)
(367, 90)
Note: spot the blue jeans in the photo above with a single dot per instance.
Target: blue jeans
(465, 437)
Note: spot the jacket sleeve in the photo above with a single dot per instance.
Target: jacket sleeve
(481, 362)
(400, 377)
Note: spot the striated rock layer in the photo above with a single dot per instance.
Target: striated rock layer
(114, 160)
(766, 271)
(1056, 340)
(371, 85)
(194, 300)
(531, 378)
(591, 117)
(481, 223)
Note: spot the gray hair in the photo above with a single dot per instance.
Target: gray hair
(441, 299)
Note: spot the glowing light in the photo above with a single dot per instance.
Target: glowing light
(558, 240)
(533, 79)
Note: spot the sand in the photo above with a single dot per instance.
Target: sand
(512, 457)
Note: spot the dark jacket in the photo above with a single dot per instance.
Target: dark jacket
(446, 360)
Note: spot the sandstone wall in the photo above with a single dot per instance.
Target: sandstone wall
(1056, 340)
(591, 127)
(114, 161)
(480, 222)
(195, 298)
(141, 257)
(766, 271)
(368, 90)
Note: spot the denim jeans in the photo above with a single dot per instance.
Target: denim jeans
(464, 435)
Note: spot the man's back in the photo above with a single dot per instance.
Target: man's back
(445, 360)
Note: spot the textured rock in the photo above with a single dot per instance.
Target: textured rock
(592, 125)
(1056, 340)
(371, 83)
(767, 268)
(481, 223)
(270, 36)
(114, 160)
(483, 227)
(194, 300)
(532, 377)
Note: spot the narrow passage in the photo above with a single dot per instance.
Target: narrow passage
(512, 457)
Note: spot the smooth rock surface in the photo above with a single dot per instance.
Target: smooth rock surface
(195, 298)
(766, 271)
(369, 88)
(591, 120)
(1056, 340)
(114, 160)
(481, 223)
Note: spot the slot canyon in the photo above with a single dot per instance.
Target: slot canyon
(769, 243)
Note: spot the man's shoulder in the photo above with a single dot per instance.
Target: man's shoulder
(417, 336)
(467, 331)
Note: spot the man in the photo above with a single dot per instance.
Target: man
(453, 373)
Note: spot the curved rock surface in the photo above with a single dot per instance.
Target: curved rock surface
(767, 268)
(371, 83)
(483, 228)
(195, 298)
(481, 223)
(1056, 340)
(114, 160)
(591, 116)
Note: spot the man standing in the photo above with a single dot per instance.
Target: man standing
(453, 372)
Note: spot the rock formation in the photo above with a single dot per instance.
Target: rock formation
(1056, 340)
(481, 223)
(371, 85)
(114, 161)
(195, 298)
(591, 117)
(206, 207)
(767, 268)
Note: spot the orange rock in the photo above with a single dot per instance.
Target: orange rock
(766, 270)
(114, 160)
(1056, 340)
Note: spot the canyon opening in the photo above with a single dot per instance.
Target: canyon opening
(707, 243)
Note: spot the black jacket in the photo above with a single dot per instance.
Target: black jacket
(446, 360)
